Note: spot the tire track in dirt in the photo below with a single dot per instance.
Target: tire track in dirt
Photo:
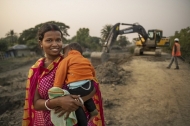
(153, 95)
(180, 85)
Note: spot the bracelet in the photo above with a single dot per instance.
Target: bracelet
(47, 106)
(81, 100)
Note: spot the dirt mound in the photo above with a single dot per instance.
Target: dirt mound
(110, 73)
(12, 90)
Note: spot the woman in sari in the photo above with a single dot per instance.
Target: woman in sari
(40, 79)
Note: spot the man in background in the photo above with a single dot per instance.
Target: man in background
(175, 53)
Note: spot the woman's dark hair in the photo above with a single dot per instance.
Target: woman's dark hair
(74, 46)
(45, 28)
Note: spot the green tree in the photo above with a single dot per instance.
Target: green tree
(85, 40)
(3, 45)
(73, 39)
(12, 36)
(105, 32)
(95, 44)
(28, 34)
(31, 33)
(184, 40)
(83, 37)
(32, 44)
(123, 41)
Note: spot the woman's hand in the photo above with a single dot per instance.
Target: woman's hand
(67, 105)
(61, 112)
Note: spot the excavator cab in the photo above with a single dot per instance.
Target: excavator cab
(157, 34)
(154, 37)
(154, 34)
(153, 43)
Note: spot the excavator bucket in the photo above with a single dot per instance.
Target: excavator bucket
(98, 58)
(101, 57)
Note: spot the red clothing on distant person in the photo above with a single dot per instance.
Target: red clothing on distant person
(73, 68)
(176, 49)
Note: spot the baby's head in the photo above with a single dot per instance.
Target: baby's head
(72, 46)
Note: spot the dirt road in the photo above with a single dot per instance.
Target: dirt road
(151, 96)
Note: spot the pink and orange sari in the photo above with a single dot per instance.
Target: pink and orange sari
(44, 77)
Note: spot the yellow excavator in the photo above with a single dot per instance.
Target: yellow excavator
(154, 41)
(147, 41)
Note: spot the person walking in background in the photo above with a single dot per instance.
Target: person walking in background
(175, 53)
(41, 78)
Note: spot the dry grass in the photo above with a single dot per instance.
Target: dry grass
(13, 63)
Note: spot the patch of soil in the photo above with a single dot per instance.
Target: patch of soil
(146, 93)
(154, 95)
(111, 73)
(12, 89)
(14, 63)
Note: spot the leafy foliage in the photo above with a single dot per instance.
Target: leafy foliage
(30, 34)
(105, 32)
(85, 40)
(3, 45)
(27, 35)
(32, 44)
(82, 36)
(184, 40)
(11, 38)
(123, 41)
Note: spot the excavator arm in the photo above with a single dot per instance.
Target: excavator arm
(100, 57)
(115, 31)
(111, 38)
(135, 28)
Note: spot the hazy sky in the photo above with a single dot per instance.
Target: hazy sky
(168, 15)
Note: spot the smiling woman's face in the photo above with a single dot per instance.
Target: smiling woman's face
(52, 43)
